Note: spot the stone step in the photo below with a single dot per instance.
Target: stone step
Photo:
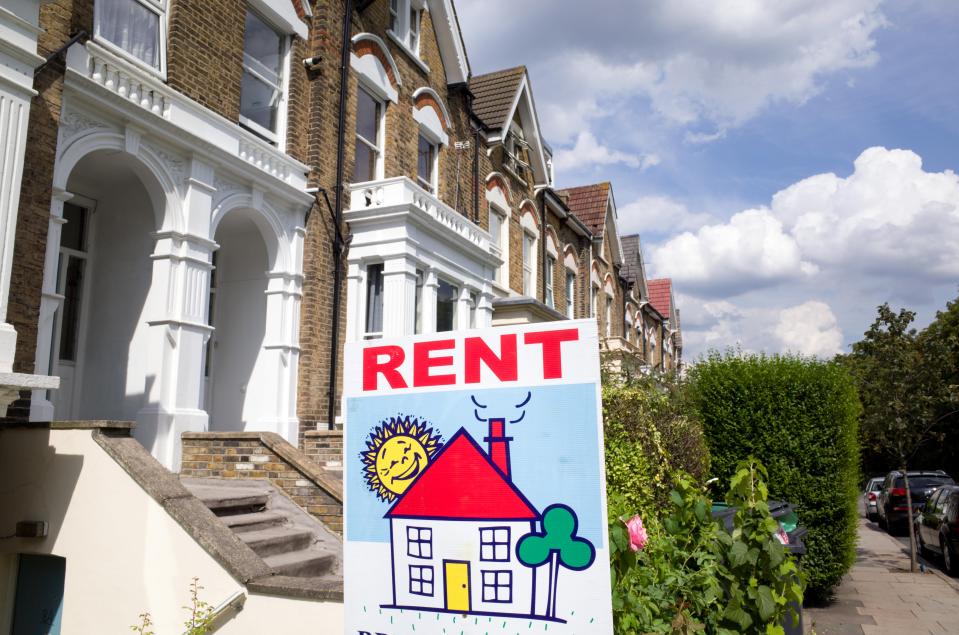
(241, 523)
(225, 501)
(301, 564)
(276, 540)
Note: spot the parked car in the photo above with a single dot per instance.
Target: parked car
(870, 497)
(937, 526)
(893, 509)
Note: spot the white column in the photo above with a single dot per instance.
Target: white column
(177, 306)
(463, 309)
(429, 301)
(484, 312)
(356, 301)
(399, 290)
(276, 402)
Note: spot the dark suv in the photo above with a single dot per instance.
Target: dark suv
(893, 510)
(937, 528)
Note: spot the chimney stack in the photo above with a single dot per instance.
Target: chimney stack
(499, 445)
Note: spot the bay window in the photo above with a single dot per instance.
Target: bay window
(369, 137)
(262, 97)
(137, 28)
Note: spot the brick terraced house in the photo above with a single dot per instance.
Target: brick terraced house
(208, 198)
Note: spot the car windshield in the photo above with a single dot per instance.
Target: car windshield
(923, 482)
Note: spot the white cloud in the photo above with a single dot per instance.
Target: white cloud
(749, 251)
(659, 215)
(888, 230)
(715, 64)
(889, 217)
(810, 329)
(588, 152)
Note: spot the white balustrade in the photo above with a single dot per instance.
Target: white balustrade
(403, 191)
(125, 79)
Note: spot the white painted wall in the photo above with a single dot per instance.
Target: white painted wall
(240, 370)
(124, 553)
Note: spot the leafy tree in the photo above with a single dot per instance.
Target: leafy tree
(557, 544)
(903, 387)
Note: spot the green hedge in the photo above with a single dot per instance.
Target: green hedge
(799, 417)
(649, 437)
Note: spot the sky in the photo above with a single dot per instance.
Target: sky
(790, 164)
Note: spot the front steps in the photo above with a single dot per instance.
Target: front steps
(290, 541)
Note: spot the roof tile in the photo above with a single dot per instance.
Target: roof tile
(589, 204)
(494, 94)
(660, 295)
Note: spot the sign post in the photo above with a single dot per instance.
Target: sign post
(475, 498)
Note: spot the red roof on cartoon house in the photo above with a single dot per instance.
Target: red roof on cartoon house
(660, 295)
(461, 483)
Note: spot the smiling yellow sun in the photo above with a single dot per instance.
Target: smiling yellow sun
(398, 451)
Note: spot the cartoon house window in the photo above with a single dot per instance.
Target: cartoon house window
(419, 543)
(421, 580)
(498, 586)
(494, 544)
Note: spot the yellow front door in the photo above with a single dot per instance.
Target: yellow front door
(457, 586)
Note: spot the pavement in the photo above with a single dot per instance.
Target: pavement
(879, 596)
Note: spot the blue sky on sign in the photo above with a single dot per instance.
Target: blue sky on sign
(789, 163)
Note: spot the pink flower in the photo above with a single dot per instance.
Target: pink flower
(637, 533)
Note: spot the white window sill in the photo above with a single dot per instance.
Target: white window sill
(409, 52)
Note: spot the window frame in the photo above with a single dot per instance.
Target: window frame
(420, 579)
(376, 147)
(367, 316)
(276, 137)
(502, 244)
(548, 292)
(419, 542)
(159, 7)
(431, 185)
(496, 585)
(570, 294)
(491, 537)
(529, 263)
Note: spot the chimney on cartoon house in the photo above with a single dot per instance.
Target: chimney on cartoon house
(499, 445)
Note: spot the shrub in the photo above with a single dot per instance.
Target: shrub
(693, 576)
(799, 416)
(649, 436)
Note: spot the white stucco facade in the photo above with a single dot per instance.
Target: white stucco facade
(423, 245)
(183, 211)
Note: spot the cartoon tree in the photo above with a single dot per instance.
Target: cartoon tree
(557, 544)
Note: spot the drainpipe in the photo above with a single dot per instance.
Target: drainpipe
(338, 208)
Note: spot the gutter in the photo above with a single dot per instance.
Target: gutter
(338, 245)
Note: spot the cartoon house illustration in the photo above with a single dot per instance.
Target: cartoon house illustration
(454, 534)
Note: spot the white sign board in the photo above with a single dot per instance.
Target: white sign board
(474, 484)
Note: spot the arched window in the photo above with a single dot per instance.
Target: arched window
(530, 247)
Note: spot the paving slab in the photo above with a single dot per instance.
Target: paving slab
(880, 596)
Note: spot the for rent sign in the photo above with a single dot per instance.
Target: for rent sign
(474, 483)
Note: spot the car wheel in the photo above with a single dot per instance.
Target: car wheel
(948, 558)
